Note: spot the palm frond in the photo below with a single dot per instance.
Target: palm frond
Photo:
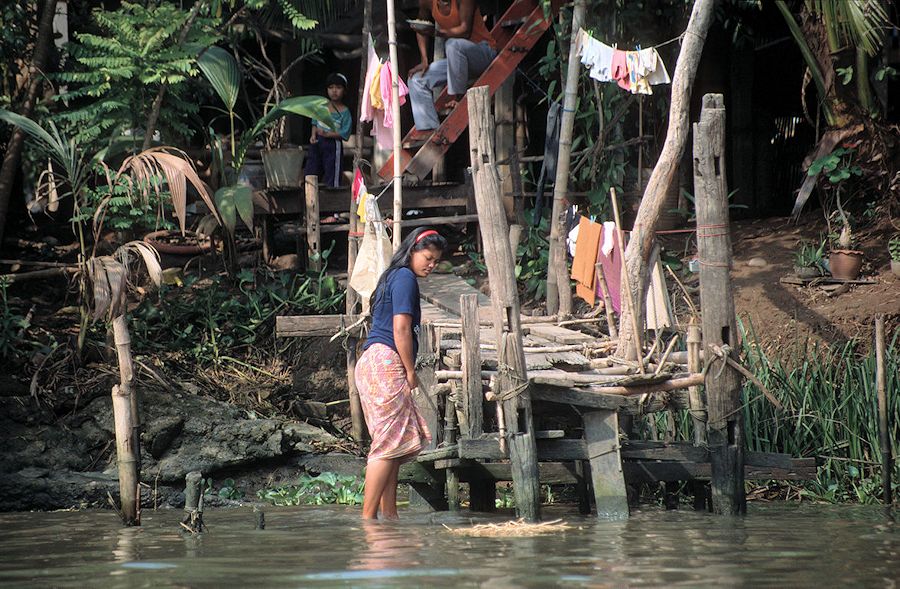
(221, 69)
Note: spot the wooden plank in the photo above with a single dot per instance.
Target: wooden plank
(559, 334)
(654, 472)
(550, 473)
(438, 454)
(444, 290)
(424, 396)
(601, 435)
(334, 200)
(314, 325)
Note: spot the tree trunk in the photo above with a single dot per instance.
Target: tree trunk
(128, 450)
(637, 254)
(150, 127)
(14, 148)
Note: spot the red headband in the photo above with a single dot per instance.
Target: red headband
(425, 234)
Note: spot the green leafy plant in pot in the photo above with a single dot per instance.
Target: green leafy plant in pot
(235, 196)
(809, 260)
(894, 250)
(837, 167)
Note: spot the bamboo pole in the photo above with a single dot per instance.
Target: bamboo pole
(357, 420)
(395, 111)
(607, 301)
(127, 427)
(887, 461)
(559, 290)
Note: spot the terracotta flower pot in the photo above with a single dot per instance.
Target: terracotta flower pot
(175, 249)
(845, 264)
(895, 267)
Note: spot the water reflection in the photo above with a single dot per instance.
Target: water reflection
(779, 545)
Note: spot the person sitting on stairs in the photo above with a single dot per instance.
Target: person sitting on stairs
(469, 49)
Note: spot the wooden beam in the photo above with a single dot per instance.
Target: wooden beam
(473, 395)
(314, 325)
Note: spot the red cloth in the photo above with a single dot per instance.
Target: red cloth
(612, 272)
(619, 69)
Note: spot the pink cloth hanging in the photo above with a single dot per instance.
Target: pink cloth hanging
(386, 96)
(366, 110)
(612, 268)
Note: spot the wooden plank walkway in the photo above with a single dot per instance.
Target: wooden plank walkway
(440, 303)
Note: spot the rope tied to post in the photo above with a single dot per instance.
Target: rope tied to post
(520, 385)
(723, 354)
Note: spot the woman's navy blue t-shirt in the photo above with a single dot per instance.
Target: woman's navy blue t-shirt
(400, 295)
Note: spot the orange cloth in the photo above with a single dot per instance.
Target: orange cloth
(583, 266)
(477, 33)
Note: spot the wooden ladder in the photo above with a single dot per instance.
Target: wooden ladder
(514, 34)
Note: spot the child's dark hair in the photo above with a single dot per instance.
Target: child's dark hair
(419, 239)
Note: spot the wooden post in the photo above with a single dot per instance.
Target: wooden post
(723, 383)
(884, 425)
(313, 250)
(430, 495)
(512, 377)
(601, 433)
(653, 203)
(127, 423)
(559, 290)
(473, 397)
(397, 138)
(450, 436)
(696, 398)
(193, 503)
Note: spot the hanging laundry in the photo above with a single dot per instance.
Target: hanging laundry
(366, 110)
(585, 258)
(375, 88)
(387, 95)
(653, 67)
(619, 69)
(611, 262)
(359, 194)
(636, 74)
(597, 56)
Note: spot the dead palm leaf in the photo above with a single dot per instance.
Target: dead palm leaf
(177, 169)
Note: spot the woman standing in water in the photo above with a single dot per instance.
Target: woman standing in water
(386, 372)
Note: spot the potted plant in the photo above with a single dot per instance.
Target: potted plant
(894, 249)
(837, 167)
(809, 260)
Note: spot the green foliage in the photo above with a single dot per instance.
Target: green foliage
(809, 255)
(112, 76)
(830, 411)
(121, 211)
(17, 341)
(327, 488)
(532, 258)
(17, 20)
(228, 490)
(894, 247)
(211, 320)
(837, 166)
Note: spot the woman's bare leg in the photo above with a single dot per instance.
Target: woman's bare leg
(378, 475)
(389, 495)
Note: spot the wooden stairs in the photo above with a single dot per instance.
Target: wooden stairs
(515, 34)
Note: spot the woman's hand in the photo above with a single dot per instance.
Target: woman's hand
(421, 68)
(412, 380)
(315, 135)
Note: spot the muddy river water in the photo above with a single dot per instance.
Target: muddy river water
(776, 545)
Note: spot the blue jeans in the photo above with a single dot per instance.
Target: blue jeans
(465, 60)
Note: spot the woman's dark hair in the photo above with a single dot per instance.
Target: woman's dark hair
(412, 243)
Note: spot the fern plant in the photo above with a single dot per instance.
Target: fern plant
(112, 76)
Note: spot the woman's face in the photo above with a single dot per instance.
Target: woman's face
(335, 92)
(423, 261)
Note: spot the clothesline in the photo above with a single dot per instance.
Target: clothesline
(634, 71)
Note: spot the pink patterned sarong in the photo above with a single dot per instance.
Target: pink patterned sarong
(397, 429)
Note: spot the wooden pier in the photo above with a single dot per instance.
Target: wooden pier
(535, 401)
